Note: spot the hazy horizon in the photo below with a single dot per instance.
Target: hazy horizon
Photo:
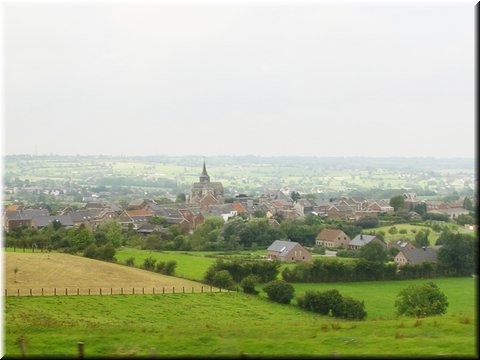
(278, 79)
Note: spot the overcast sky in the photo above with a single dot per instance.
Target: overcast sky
(274, 78)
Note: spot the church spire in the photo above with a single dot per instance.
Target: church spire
(204, 177)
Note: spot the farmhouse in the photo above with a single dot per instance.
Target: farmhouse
(332, 238)
(416, 256)
(288, 251)
(362, 240)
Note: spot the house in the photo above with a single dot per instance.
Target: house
(452, 213)
(410, 201)
(341, 212)
(332, 238)
(362, 240)
(288, 251)
(416, 256)
(401, 244)
(22, 218)
(40, 222)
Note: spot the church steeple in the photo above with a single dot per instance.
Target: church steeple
(204, 176)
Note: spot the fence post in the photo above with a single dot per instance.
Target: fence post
(163, 289)
(42, 291)
(192, 289)
(100, 291)
(173, 289)
(81, 350)
(153, 291)
(78, 291)
(183, 289)
(30, 291)
(202, 289)
(66, 291)
(55, 291)
(18, 292)
(111, 291)
(143, 291)
(5, 292)
(219, 289)
(133, 291)
(121, 291)
(21, 342)
(88, 291)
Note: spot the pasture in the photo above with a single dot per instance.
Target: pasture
(232, 324)
(57, 270)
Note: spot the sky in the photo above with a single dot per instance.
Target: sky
(265, 78)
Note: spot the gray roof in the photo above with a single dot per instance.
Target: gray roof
(362, 239)
(418, 256)
(281, 246)
(41, 221)
(26, 214)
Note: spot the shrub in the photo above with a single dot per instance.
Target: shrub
(90, 251)
(169, 268)
(402, 231)
(223, 279)
(279, 291)
(248, 284)
(421, 300)
(160, 266)
(130, 261)
(393, 230)
(149, 263)
(320, 302)
(350, 309)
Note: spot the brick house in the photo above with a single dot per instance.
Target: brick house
(416, 256)
(288, 251)
(332, 238)
(362, 240)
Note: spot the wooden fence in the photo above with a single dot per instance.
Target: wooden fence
(70, 291)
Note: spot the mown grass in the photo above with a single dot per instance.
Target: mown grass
(226, 324)
(409, 236)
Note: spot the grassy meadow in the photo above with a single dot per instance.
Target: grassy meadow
(231, 324)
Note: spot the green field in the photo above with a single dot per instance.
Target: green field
(235, 323)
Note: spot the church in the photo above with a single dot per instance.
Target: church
(205, 192)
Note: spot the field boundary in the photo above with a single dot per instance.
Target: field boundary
(101, 291)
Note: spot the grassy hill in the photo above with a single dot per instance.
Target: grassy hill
(229, 324)
(57, 270)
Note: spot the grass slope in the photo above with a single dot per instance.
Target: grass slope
(57, 270)
(224, 324)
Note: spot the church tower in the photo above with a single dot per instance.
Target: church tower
(206, 193)
(204, 178)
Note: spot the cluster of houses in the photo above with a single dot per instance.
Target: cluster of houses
(290, 251)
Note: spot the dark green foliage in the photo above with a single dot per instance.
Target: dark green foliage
(367, 223)
(421, 238)
(166, 268)
(349, 309)
(320, 301)
(397, 202)
(130, 261)
(149, 263)
(279, 291)
(374, 252)
(459, 254)
(105, 252)
(393, 230)
(264, 270)
(421, 300)
(223, 279)
(248, 284)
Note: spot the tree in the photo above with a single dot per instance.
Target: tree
(158, 220)
(15, 270)
(181, 198)
(421, 300)
(248, 284)
(467, 204)
(457, 256)
(374, 252)
(393, 230)
(421, 238)
(279, 291)
(223, 280)
(295, 195)
(397, 202)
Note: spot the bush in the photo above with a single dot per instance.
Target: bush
(223, 280)
(393, 230)
(149, 263)
(421, 300)
(320, 302)
(130, 261)
(248, 284)
(169, 268)
(350, 309)
(402, 231)
(279, 291)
